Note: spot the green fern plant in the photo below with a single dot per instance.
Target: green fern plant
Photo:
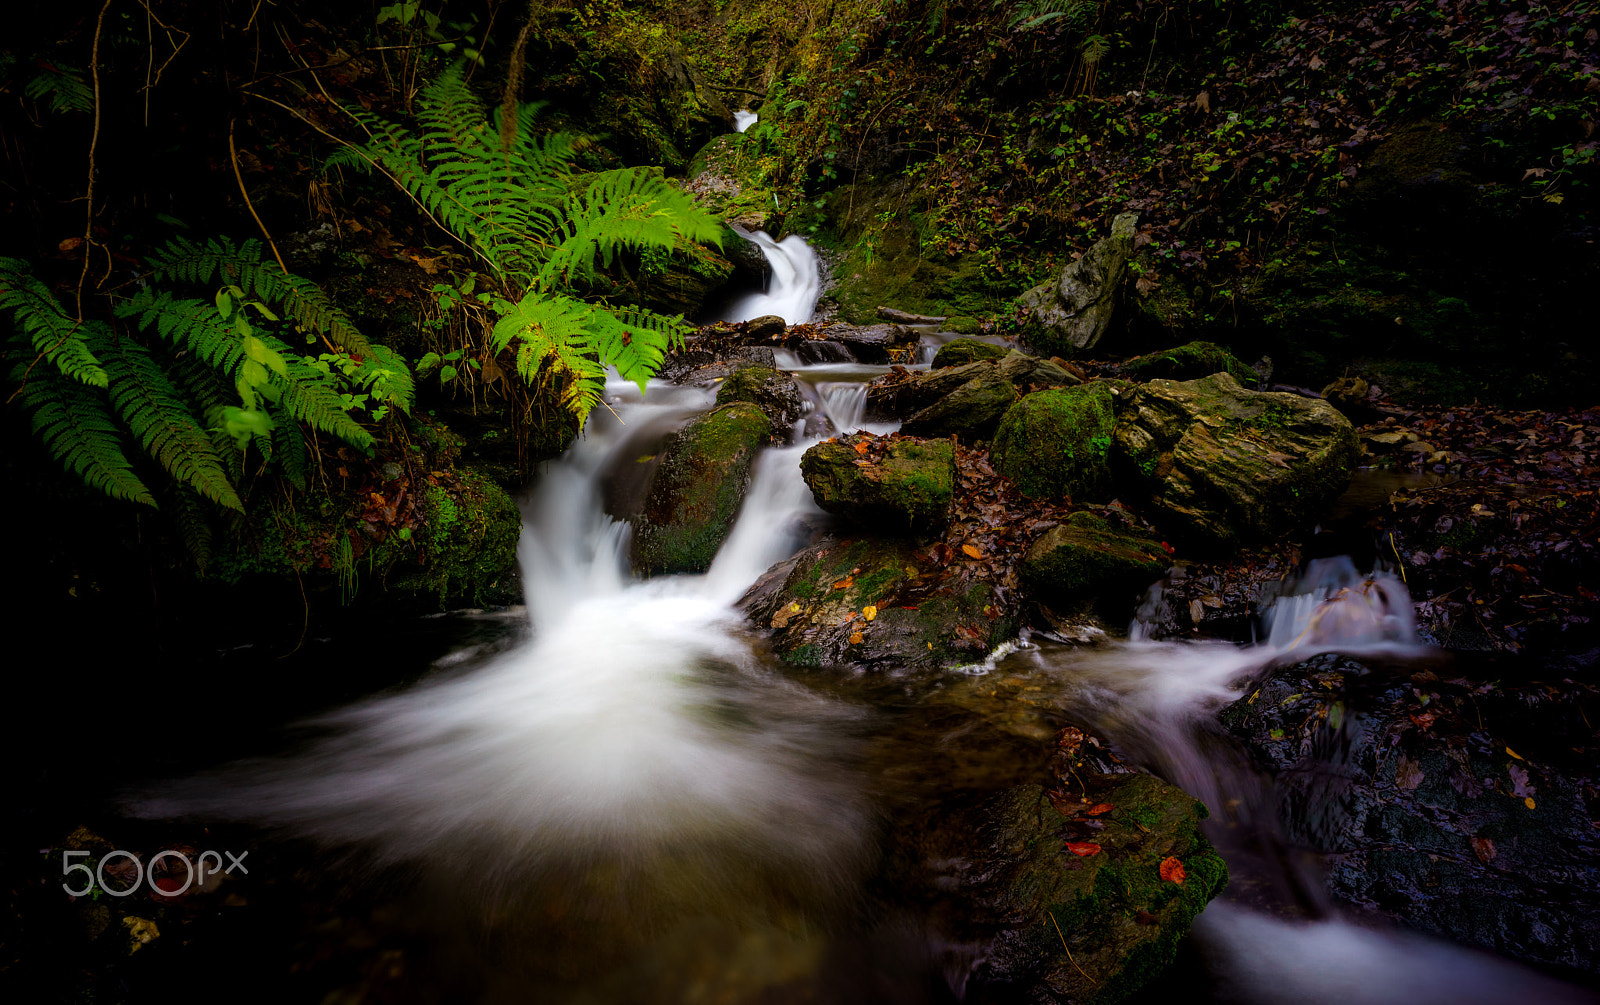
(511, 196)
(194, 382)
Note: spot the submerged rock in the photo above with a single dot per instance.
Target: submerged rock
(696, 490)
(872, 603)
(1086, 562)
(1058, 442)
(961, 351)
(1223, 465)
(775, 393)
(898, 486)
(1461, 806)
(1072, 313)
(1190, 361)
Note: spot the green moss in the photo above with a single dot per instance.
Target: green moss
(1057, 442)
(961, 351)
(962, 325)
(1187, 362)
(908, 490)
(696, 491)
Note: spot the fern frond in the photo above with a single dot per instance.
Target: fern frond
(553, 335)
(155, 412)
(80, 433)
(61, 339)
(307, 394)
(289, 450)
(189, 517)
(388, 377)
(188, 324)
(296, 299)
(632, 208)
(635, 340)
(64, 86)
(209, 394)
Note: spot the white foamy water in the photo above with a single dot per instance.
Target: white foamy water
(744, 118)
(794, 287)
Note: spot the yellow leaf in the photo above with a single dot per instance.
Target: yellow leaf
(930, 647)
(972, 551)
(1527, 801)
(869, 612)
(1513, 753)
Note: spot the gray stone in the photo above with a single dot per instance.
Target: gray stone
(1072, 313)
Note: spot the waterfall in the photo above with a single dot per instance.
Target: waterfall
(795, 285)
(743, 119)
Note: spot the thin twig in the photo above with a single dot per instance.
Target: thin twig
(1064, 948)
(94, 141)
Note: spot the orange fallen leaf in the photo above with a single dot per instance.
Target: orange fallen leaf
(1083, 848)
(1528, 802)
(1100, 809)
(855, 639)
(972, 551)
(1172, 870)
(861, 448)
(845, 583)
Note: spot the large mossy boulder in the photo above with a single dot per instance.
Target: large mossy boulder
(896, 486)
(874, 603)
(1091, 927)
(1189, 362)
(696, 490)
(1460, 803)
(970, 412)
(775, 393)
(1057, 442)
(1086, 562)
(961, 351)
(1223, 466)
(1074, 311)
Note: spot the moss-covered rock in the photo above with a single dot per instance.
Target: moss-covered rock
(1222, 465)
(1088, 928)
(962, 325)
(817, 607)
(1086, 562)
(1057, 442)
(970, 412)
(696, 490)
(906, 490)
(1190, 361)
(1073, 312)
(775, 393)
(726, 177)
(961, 351)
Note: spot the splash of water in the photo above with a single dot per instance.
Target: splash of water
(743, 119)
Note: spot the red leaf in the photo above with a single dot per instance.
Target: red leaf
(1100, 809)
(1172, 871)
(1083, 848)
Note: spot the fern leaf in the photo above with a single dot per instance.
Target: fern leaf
(155, 412)
(80, 433)
(189, 518)
(635, 340)
(64, 86)
(552, 336)
(306, 394)
(386, 374)
(627, 208)
(210, 396)
(289, 450)
(55, 335)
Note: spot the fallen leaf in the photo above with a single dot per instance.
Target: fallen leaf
(1528, 802)
(1172, 871)
(845, 583)
(855, 639)
(869, 612)
(972, 551)
(1100, 809)
(1083, 849)
(861, 448)
(70, 244)
(1407, 773)
(1513, 753)
(1483, 848)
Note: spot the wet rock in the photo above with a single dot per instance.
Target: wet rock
(906, 490)
(700, 366)
(767, 326)
(817, 606)
(724, 178)
(961, 351)
(1034, 373)
(696, 489)
(1190, 361)
(871, 343)
(775, 393)
(1077, 928)
(1350, 396)
(1086, 562)
(962, 326)
(1456, 798)
(970, 412)
(1072, 313)
(903, 393)
(1223, 465)
(1057, 442)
